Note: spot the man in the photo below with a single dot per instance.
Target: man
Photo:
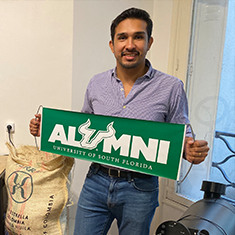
(132, 90)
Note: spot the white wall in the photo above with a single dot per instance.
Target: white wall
(162, 23)
(35, 62)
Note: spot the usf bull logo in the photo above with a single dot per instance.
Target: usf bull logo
(130, 146)
(20, 186)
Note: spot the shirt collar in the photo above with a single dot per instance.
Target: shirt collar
(149, 73)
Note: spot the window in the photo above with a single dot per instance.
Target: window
(225, 119)
(211, 93)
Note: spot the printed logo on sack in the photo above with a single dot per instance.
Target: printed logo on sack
(130, 146)
(20, 186)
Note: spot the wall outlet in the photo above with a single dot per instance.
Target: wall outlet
(12, 127)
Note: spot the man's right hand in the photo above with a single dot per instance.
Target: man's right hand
(34, 125)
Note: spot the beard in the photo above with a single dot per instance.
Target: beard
(129, 64)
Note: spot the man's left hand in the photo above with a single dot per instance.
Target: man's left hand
(195, 151)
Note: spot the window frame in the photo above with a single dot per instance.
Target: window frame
(182, 65)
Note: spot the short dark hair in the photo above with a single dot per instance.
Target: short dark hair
(132, 13)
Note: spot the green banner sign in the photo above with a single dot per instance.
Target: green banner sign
(144, 146)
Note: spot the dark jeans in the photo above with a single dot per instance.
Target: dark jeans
(103, 198)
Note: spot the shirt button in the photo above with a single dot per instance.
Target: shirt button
(124, 106)
(122, 89)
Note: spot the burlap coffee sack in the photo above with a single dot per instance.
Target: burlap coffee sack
(37, 191)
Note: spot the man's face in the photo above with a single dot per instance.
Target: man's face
(130, 43)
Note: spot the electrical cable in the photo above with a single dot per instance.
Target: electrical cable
(35, 139)
(181, 181)
(9, 134)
